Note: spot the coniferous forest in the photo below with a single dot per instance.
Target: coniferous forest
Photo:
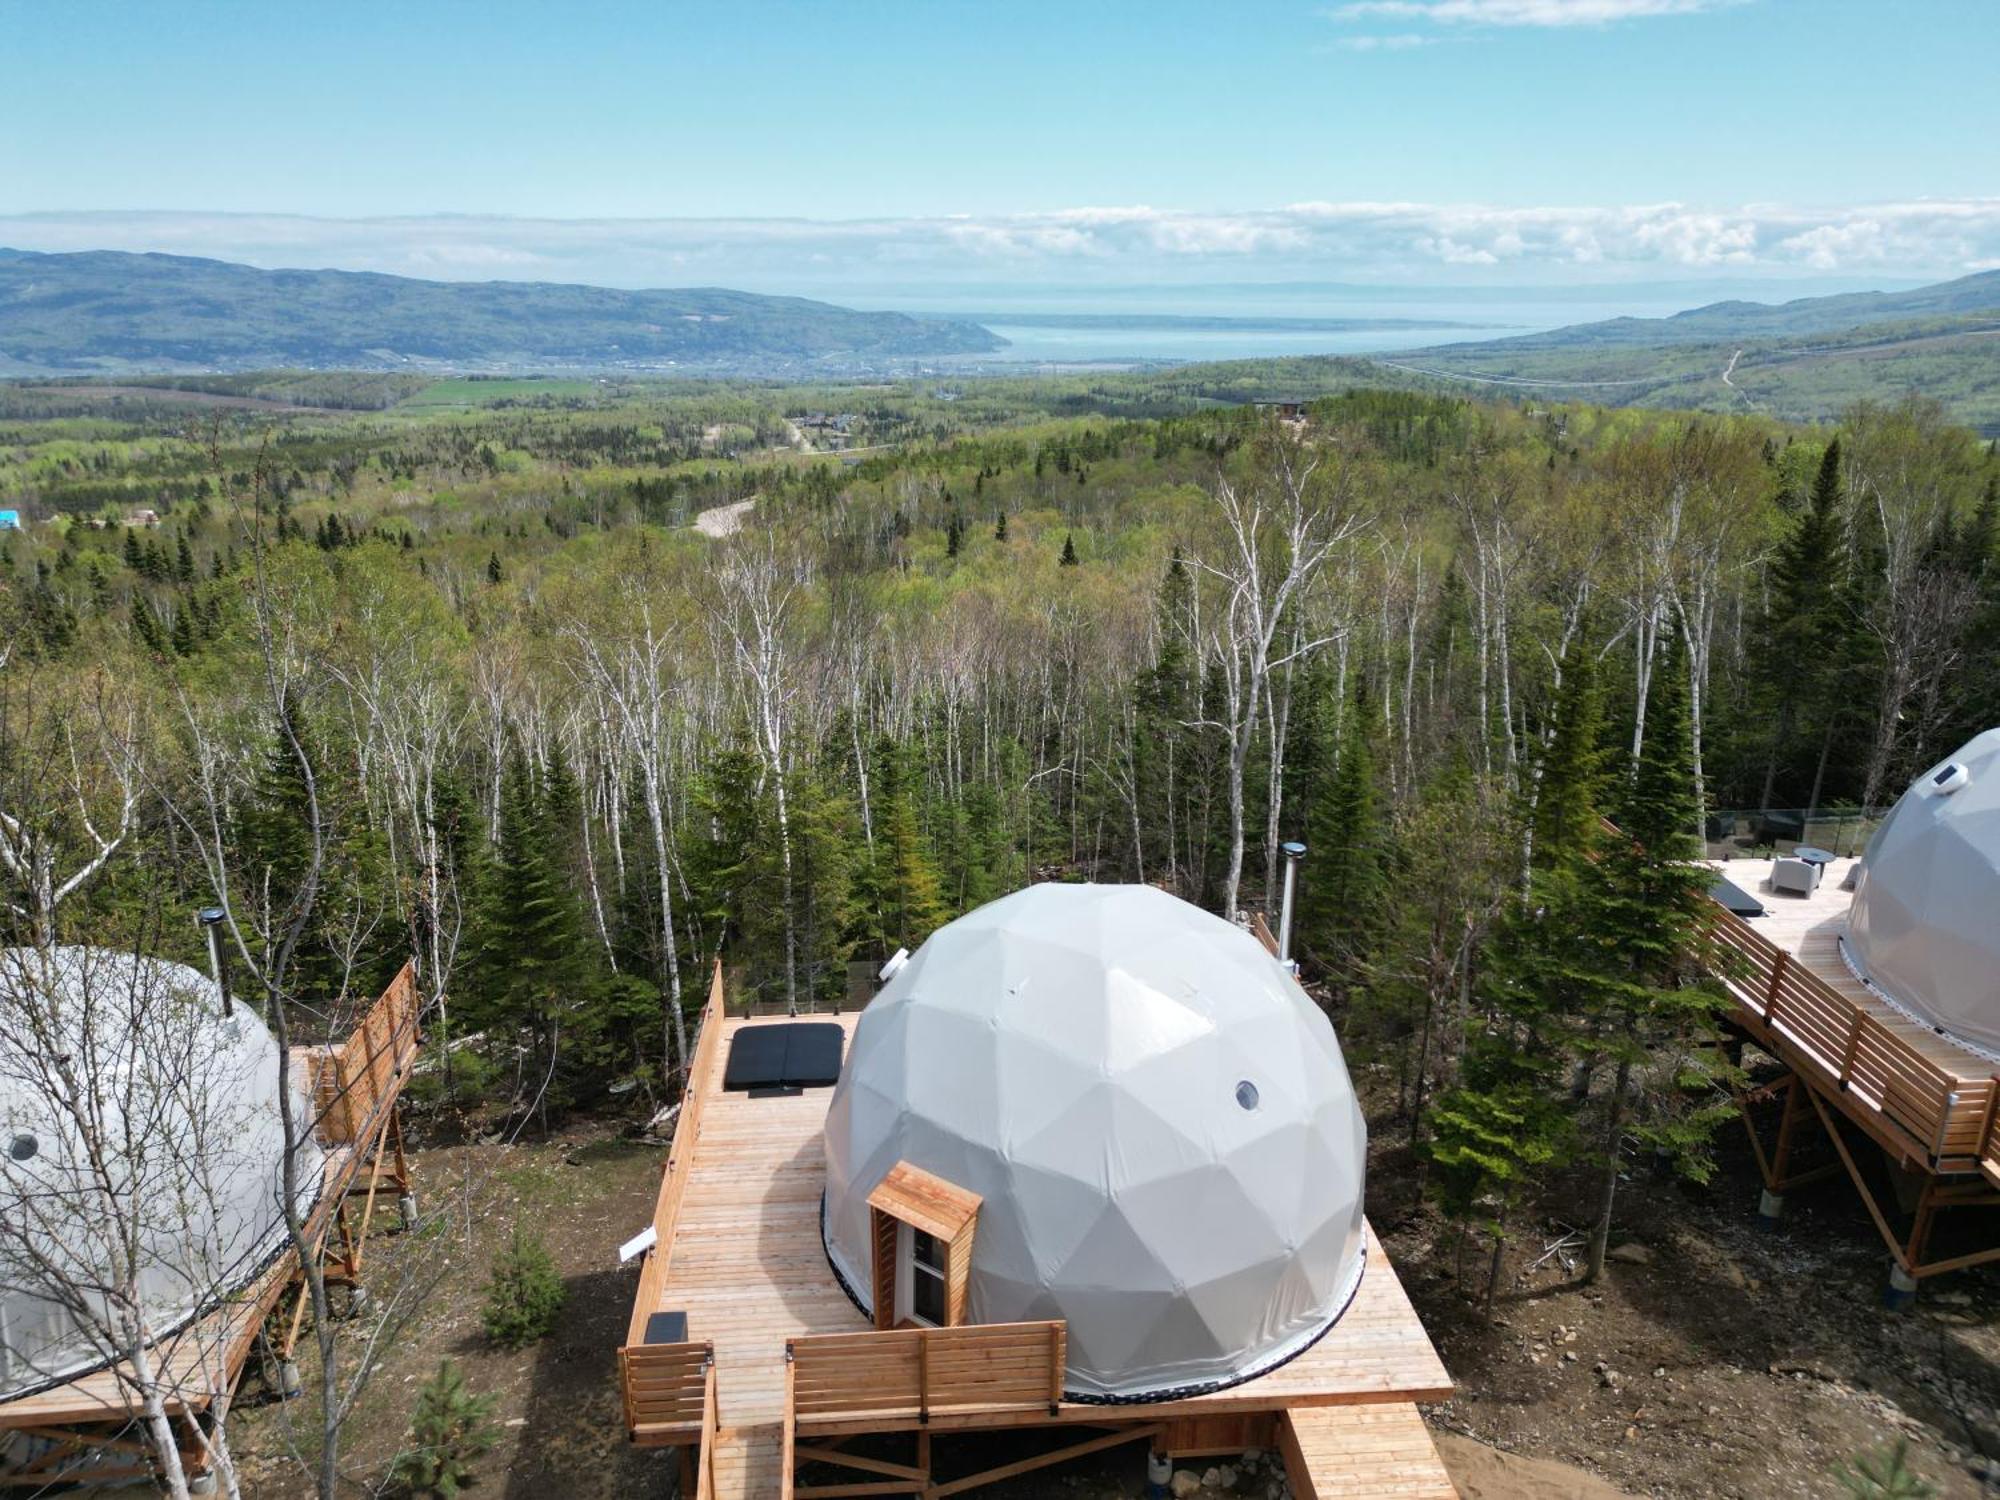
(464, 677)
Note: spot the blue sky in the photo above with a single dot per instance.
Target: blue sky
(1412, 140)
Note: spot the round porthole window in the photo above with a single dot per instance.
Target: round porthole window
(1246, 1094)
(23, 1147)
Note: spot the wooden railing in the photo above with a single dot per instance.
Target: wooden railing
(1989, 1154)
(669, 1390)
(1938, 1120)
(356, 1081)
(680, 1157)
(869, 1382)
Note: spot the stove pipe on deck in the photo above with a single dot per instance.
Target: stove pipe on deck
(210, 919)
(1293, 851)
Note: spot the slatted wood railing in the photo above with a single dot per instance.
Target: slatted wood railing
(870, 1382)
(1937, 1120)
(669, 1391)
(356, 1081)
(680, 1158)
(1989, 1154)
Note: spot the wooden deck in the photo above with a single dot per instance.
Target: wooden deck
(355, 1086)
(1932, 1105)
(1332, 1452)
(738, 1251)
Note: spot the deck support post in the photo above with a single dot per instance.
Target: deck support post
(1901, 1292)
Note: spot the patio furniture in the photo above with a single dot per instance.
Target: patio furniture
(1797, 877)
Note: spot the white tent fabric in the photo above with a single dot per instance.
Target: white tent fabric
(1925, 924)
(182, 1205)
(1158, 1120)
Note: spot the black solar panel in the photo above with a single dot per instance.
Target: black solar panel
(756, 1058)
(798, 1054)
(812, 1055)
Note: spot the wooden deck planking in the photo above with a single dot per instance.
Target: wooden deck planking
(1362, 1453)
(745, 1263)
(1809, 928)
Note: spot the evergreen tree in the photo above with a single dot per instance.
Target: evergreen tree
(1652, 1018)
(533, 963)
(1807, 645)
(953, 534)
(1569, 781)
(450, 1430)
(525, 1294)
(907, 884)
(1069, 551)
(1345, 886)
(1000, 528)
(493, 571)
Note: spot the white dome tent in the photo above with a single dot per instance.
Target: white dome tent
(1924, 928)
(181, 1197)
(1156, 1120)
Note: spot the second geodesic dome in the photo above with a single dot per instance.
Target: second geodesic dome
(140, 1143)
(1156, 1117)
(1925, 924)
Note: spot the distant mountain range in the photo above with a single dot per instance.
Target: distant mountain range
(1804, 360)
(109, 312)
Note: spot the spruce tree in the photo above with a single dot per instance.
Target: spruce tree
(1069, 551)
(1346, 883)
(1654, 1019)
(533, 961)
(1000, 528)
(1807, 644)
(907, 884)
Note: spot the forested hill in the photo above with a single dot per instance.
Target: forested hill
(105, 311)
(1808, 360)
(1803, 316)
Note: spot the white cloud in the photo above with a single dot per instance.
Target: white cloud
(1399, 242)
(1521, 12)
(1401, 41)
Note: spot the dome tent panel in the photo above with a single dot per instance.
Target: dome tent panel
(160, 1157)
(1157, 1120)
(1923, 927)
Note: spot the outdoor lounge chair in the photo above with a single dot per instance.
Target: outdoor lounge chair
(1794, 876)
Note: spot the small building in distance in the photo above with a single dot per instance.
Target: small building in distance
(1291, 413)
(142, 516)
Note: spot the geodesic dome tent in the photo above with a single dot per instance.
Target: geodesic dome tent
(133, 1113)
(1157, 1119)
(1924, 928)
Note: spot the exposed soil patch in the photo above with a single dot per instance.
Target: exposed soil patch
(1716, 1358)
(583, 1192)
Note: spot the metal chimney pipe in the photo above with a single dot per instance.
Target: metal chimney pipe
(211, 919)
(1293, 851)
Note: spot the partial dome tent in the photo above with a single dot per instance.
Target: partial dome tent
(1150, 1124)
(1924, 928)
(134, 1112)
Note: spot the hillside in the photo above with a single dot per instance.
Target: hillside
(1805, 360)
(110, 312)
